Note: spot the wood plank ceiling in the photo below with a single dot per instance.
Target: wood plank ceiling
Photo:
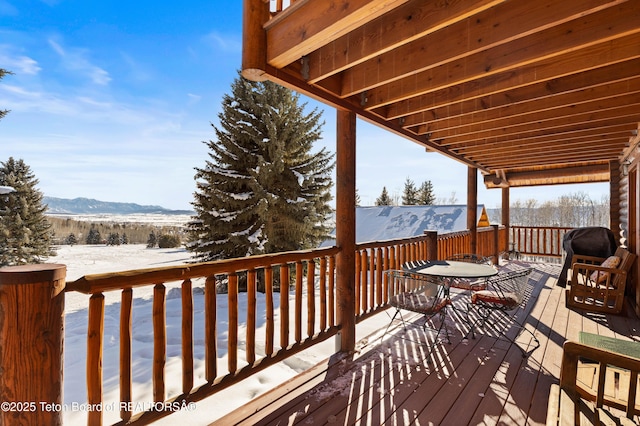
(529, 92)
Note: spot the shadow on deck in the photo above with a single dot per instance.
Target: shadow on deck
(471, 381)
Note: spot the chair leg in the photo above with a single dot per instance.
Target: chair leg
(391, 322)
(486, 320)
(442, 325)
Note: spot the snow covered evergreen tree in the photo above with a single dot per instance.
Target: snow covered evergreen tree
(94, 236)
(410, 193)
(262, 190)
(426, 196)
(384, 199)
(25, 232)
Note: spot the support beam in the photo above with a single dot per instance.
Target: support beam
(255, 13)
(346, 227)
(506, 214)
(472, 207)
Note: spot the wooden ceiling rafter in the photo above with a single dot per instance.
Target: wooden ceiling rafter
(571, 85)
(565, 104)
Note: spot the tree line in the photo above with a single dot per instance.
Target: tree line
(572, 210)
(71, 231)
(413, 195)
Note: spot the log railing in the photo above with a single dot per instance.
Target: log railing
(286, 275)
(538, 240)
(302, 284)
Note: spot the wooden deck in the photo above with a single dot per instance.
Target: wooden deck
(472, 381)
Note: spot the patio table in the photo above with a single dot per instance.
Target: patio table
(451, 269)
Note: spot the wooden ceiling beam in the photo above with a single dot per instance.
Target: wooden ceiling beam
(557, 147)
(507, 88)
(545, 161)
(489, 149)
(539, 114)
(404, 24)
(621, 127)
(563, 153)
(550, 46)
(574, 174)
(306, 26)
(543, 103)
(488, 29)
(630, 113)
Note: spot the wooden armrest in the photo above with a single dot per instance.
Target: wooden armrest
(593, 268)
(615, 278)
(575, 353)
(582, 258)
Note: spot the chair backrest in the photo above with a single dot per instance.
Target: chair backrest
(626, 262)
(510, 285)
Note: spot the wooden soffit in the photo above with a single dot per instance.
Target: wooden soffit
(542, 92)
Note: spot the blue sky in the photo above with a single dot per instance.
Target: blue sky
(112, 100)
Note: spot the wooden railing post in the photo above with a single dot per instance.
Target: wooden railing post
(432, 245)
(496, 243)
(31, 344)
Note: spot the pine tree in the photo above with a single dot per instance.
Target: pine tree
(94, 236)
(425, 194)
(263, 190)
(152, 240)
(410, 193)
(113, 239)
(383, 199)
(25, 233)
(71, 239)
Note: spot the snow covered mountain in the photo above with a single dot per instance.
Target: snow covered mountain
(91, 206)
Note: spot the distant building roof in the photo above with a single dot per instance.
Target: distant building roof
(393, 222)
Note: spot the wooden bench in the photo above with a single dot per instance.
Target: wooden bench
(597, 385)
(598, 288)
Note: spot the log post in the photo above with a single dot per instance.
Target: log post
(472, 207)
(496, 243)
(346, 228)
(506, 214)
(432, 245)
(31, 344)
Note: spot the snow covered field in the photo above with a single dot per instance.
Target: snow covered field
(82, 260)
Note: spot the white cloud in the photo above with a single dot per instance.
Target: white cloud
(18, 64)
(75, 60)
(226, 43)
(193, 99)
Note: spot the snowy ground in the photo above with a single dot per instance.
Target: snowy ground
(82, 260)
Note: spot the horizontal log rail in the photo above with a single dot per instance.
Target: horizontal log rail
(538, 240)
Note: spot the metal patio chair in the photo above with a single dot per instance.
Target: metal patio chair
(502, 298)
(422, 295)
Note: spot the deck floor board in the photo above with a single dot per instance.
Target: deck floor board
(471, 381)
